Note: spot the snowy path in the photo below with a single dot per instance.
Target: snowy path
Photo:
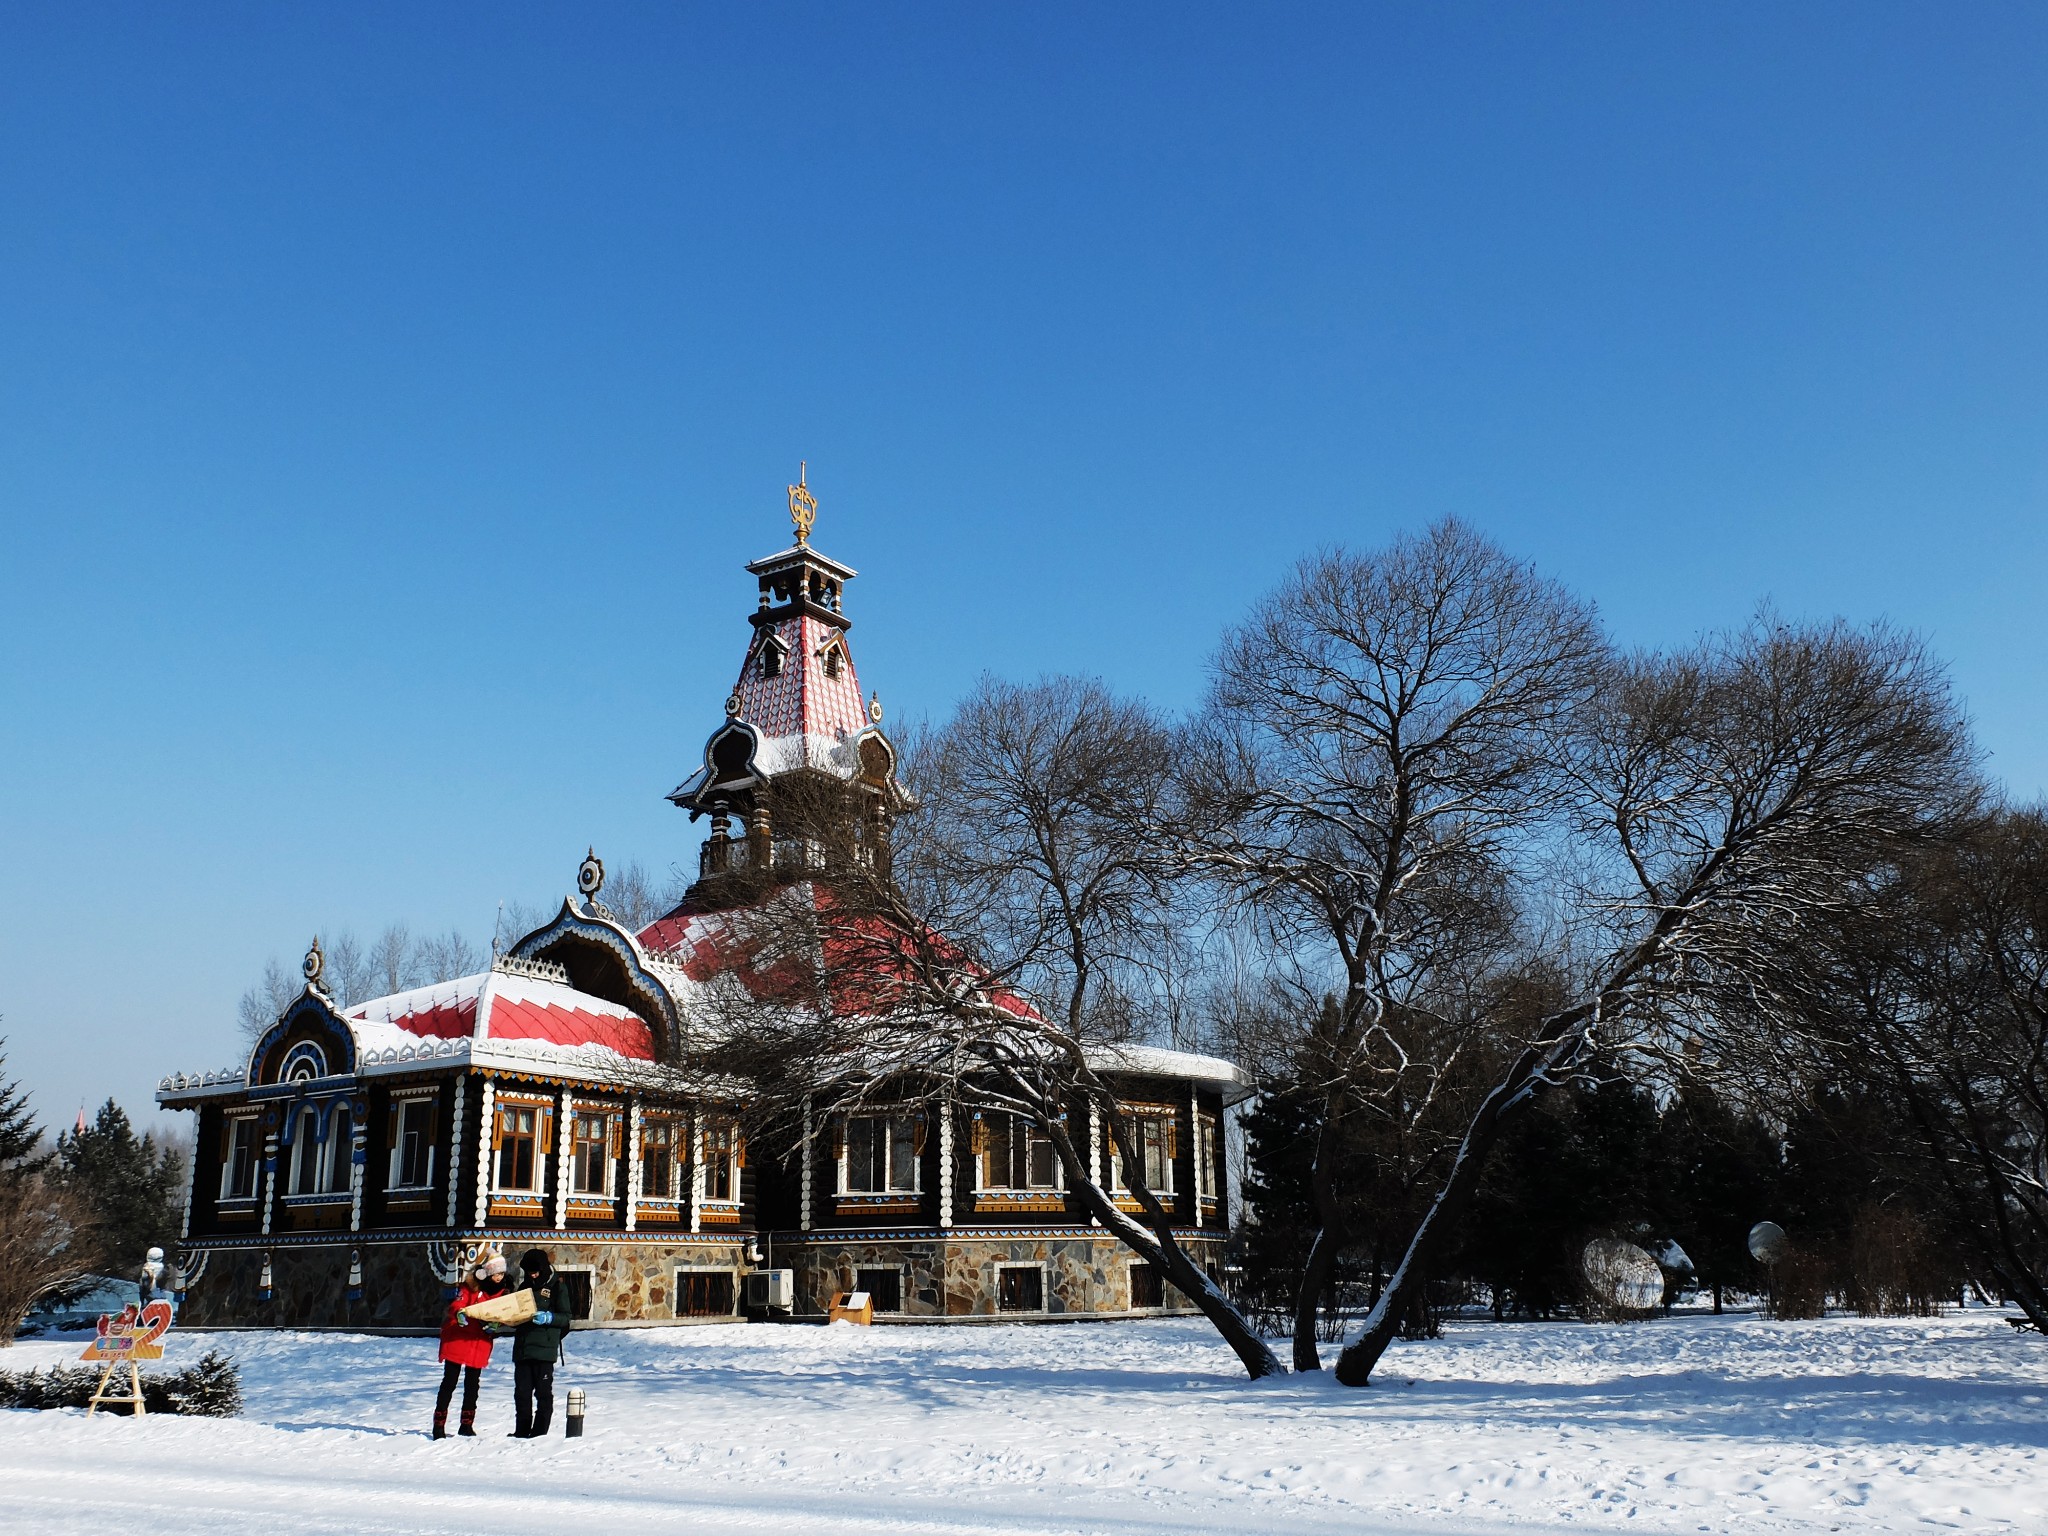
(1686, 1424)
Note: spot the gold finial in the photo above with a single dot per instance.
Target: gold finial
(803, 506)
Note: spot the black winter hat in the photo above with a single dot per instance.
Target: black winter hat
(534, 1260)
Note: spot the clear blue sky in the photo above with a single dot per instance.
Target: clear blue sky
(389, 396)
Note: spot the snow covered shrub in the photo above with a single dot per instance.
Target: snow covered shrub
(211, 1389)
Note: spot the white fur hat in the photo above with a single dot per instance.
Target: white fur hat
(490, 1264)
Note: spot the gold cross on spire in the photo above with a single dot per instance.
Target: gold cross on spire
(803, 506)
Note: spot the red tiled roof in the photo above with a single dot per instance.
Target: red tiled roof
(512, 1007)
(804, 699)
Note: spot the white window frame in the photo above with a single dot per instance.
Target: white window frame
(541, 1110)
(237, 1123)
(1168, 1119)
(676, 1291)
(1044, 1288)
(589, 1270)
(608, 1183)
(1033, 1133)
(678, 1156)
(889, 1185)
(402, 1108)
(902, 1273)
(701, 1178)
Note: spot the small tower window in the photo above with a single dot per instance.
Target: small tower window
(772, 652)
(834, 657)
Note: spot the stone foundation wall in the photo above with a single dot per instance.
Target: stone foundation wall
(630, 1282)
(960, 1276)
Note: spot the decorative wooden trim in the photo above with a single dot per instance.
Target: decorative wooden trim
(455, 1143)
(358, 1156)
(269, 1177)
(486, 1136)
(809, 1158)
(632, 1163)
(696, 1170)
(1020, 1200)
(945, 1162)
(565, 1147)
(718, 1216)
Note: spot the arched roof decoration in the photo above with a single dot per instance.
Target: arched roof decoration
(604, 960)
(313, 1017)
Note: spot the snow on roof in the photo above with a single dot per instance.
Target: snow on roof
(511, 1001)
(1157, 1061)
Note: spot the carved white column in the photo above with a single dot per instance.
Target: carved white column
(945, 1162)
(1098, 1170)
(565, 1109)
(486, 1131)
(269, 1178)
(192, 1173)
(1195, 1151)
(632, 1164)
(809, 1154)
(455, 1146)
(696, 1168)
(358, 1166)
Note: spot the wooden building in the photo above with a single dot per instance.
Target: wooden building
(345, 1170)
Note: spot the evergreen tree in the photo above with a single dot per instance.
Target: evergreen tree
(1725, 1175)
(1279, 1210)
(133, 1187)
(19, 1133)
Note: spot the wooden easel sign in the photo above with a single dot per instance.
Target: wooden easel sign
(132, 1335)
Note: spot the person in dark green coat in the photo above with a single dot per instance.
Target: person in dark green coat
(537, 1345)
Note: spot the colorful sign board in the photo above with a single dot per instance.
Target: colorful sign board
(133, 1333)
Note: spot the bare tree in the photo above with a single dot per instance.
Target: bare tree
(1006, 963)
(48, 1242)
(1387, 734)
(48, 1238)
(354, 973)
(1929, 992)
(1727, 797)
(636, 897)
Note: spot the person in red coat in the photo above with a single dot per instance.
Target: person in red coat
(466, 1346)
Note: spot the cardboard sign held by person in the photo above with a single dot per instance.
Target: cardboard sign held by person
(508, 1311)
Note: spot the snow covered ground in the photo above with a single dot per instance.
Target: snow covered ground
(1684, 1424)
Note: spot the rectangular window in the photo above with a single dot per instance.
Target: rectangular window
(412, 1144)
(1148, 1288)
(1020, 1288)
(518, 1146)
(576, 1291)
(884, 1287)
(1016, 1154)
(720, 1147)
(238, 1158)
(337, 1159)
(882, 1154)
(657, 1160)
(703, 1293)
(590, 1166)
(1157, 1134)
(1205, 1156)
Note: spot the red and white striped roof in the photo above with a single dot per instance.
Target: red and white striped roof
(806, 716)
(505, 1005)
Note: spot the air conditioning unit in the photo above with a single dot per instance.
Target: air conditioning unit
(771, 1290)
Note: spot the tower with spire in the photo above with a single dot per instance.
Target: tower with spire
(800, 775)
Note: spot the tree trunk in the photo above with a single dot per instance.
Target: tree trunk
(1355, 1365)
(1153, 1241)
(1321, 1261)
